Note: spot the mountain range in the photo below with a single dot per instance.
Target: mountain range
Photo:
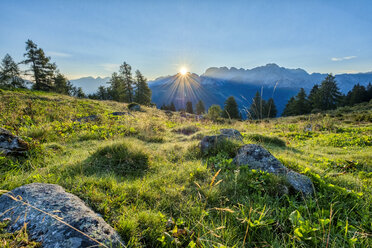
(216, 84)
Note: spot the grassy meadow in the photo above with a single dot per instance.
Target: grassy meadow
(145, 175)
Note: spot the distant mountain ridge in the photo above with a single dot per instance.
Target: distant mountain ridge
(90, 84)
(272, 80)
(218, 83)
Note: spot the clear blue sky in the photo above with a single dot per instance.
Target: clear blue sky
(158, 37)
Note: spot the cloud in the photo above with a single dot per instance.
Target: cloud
(343, 58)
(110, 67)
(59, 54)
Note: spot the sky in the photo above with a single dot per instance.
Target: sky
(92, 38)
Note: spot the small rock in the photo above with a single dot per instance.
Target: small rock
(308, 128)
(258, 158)
(50, 232)
(11, 144)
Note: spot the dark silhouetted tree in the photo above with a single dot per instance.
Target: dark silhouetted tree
(231, 109)
(301, 104)
(256, 109)
(289, 107)
(272, 111)
(125, 73)
(200, 109)
(189, 108)
(143, 92)
(42, 69)
(172, 107)
(328, 95)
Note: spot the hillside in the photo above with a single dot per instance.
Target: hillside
(144, 173)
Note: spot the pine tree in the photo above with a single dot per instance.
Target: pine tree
(10, 75)
(172, 107)
(200, 109)
(189, 108)
(62, 85)
(42, 69)
(357, 95)
(231, 109)
(301, 104)
(116, 88)
(125, 72)
(329, 94)
(272, 111)
(143, 92)
(313, 97)
(214, 112)
(289, 107)
(80, 93)
(256, 109)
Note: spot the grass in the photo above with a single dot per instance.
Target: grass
(145, 175)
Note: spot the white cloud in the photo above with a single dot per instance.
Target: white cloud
(343, 58)
(110, 67)
(58, 54)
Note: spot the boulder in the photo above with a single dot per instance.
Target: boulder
(258, 158)
(209, 142)
(87, 118)
(120, 113)
(30, 203)
(11, 144)
(134, 107)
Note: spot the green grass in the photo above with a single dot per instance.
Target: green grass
(147, 178)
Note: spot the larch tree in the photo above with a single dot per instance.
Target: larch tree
(43, 71)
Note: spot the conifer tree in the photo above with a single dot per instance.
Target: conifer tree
(42, 69)
(62, 85)
(313, 97)
(329, 95)
(143, 92)
(125, 72)
(272, 111)
(231, 109)
(289, 107)
(189, 108)
(200, 109)
(301, 103)
(357, 95)
(256, 109)
(80, 93)
(10, 75)
(172, 107)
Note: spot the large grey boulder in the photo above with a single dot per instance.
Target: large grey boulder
(11, 144)
(210, 142)
(50, 232)
(257, 157)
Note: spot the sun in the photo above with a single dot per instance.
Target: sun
(183, 71)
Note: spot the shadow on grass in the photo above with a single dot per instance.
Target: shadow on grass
(119, 159)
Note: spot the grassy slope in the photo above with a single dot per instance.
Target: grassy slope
(138, 171)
